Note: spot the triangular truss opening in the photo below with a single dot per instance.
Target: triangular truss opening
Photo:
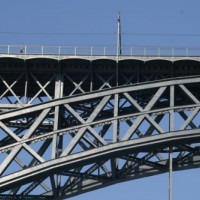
(181, 96)
(143, 97)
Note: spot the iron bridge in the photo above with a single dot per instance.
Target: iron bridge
(75, 123)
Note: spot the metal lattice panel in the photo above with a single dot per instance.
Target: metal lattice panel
(66, 128)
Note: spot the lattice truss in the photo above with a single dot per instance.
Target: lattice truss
(71, 145)
(24, 83)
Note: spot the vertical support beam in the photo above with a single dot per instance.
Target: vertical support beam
(53, 186)
(57, 144)
(60, 142)
(61, 82)
(171, 128)
(114, 162)
(58, 94)
(91, 76)
(171, 124)
(56, 114)
(55, 137)
(26, 84)
(170, 173)
(117, 73)
(116, 124)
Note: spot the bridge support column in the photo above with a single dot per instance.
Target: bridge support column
(170, 173)
(171, 128)
(26, 85)
(57, 140)
(114, 162)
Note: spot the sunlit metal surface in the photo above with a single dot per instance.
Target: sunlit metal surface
(75, 123)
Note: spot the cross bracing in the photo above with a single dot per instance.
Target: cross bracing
(72, 126)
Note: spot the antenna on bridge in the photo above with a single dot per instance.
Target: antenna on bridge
(119, 47)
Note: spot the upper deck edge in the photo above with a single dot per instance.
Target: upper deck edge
(99, 57)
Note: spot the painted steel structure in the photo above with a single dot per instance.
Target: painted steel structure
(71, 124)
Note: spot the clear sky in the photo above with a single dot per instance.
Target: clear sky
(92, 22)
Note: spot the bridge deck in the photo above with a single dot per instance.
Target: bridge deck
(61, 57)
(35, 76)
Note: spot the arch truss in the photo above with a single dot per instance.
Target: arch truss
(68, 146)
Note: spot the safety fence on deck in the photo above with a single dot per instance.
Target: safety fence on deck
(100, 50)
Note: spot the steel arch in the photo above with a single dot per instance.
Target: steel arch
(96, 139)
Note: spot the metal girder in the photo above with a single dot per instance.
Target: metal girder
(88, 145)
(115, 149)
(99, 94)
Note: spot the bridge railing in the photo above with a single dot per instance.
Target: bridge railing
(100, 50)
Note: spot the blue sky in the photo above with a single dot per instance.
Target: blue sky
(92, 22)
(98, 18)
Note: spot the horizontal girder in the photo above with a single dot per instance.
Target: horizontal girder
(31, 80)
